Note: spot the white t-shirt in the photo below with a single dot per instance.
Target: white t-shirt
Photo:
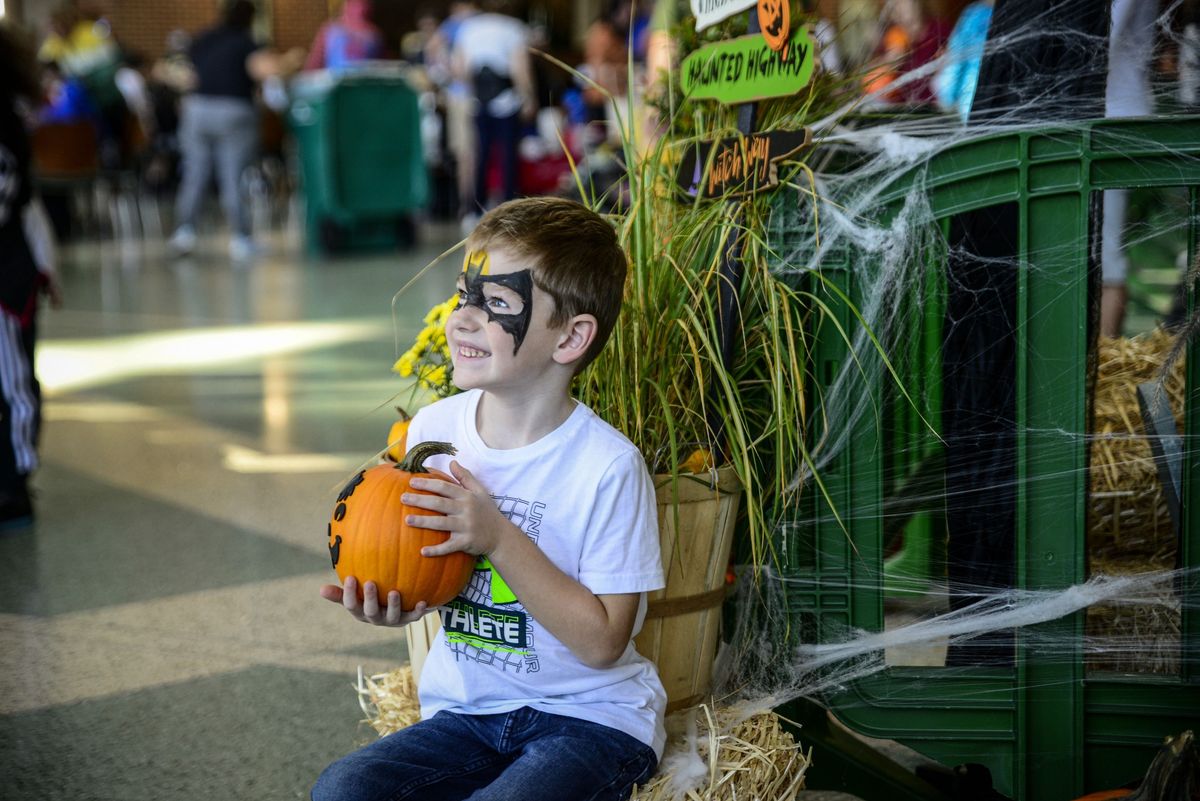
(583, 495)
(492, 40)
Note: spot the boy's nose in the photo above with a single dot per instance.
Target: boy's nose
(467, 318)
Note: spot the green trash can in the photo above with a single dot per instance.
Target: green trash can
(361, 164)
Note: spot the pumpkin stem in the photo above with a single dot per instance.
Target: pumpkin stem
(414, 460)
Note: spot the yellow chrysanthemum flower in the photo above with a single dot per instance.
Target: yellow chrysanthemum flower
(404, 365)
(428, 360)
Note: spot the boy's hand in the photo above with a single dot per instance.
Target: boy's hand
(469, 514)
(370, 611)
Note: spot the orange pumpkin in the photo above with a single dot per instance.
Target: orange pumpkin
(698, 461)
(370, 540)
(398, 437)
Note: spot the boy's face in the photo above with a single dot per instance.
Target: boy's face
(499, 333)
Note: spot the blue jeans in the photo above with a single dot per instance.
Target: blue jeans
(522, 755)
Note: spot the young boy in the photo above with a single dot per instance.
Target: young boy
(533, 689)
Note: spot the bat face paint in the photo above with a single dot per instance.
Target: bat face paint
(506, 299)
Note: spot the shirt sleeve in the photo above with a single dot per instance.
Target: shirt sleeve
(40, 236)
(621, 549)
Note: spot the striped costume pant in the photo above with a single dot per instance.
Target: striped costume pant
(20, 403)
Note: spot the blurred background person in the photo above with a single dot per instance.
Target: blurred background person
(82, 48)
(491, 54)
(171, 77)
(457, 100)
(911, 39)
(414, 45)
(219, 125)
(606, 67)
(25, 266)
(350, 38)
(1127, 94)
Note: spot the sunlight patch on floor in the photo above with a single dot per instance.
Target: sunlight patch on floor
(66, 365)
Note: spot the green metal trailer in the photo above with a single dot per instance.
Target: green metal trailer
(1046, 729)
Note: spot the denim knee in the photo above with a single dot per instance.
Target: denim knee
(338, 782)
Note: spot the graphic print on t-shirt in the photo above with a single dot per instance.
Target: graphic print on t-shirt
(486, 623)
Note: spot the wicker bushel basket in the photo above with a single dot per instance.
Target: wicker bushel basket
(682, 624)
(420, 636)
(683, 621)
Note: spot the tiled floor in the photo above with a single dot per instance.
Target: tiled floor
(161, 636)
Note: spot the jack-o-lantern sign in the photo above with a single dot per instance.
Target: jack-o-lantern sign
(370, 539)
(774, 19)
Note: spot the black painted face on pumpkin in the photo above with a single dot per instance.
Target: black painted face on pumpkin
(773, 21)
(506, 299)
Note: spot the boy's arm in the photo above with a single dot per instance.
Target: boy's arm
(597, 628)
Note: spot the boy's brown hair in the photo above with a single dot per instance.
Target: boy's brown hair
(576, 258)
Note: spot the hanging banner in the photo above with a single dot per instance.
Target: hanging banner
(746, 68)
(710, 12)
(741, 164)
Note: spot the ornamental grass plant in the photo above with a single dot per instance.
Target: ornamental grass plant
(668, 379)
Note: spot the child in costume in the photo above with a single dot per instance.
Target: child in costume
(26, 269)
(533, 688)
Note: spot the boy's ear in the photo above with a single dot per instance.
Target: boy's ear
(576, 338)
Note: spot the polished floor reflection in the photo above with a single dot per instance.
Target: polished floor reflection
(161, 636)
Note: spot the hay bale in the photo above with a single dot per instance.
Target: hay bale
(1130, 530)
(712, 753)
(1135, 638)
(1127, 512)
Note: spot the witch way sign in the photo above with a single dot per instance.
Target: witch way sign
(740, 165)
(746, 68)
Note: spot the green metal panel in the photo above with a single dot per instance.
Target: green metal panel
(1189, 546)
(1044, 729)
(1051, 485)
